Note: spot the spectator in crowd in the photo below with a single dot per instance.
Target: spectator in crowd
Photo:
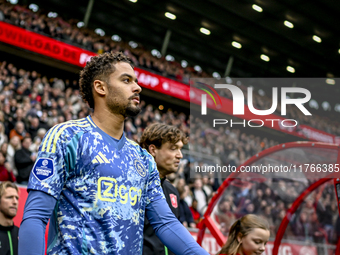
(3, 149)
(13, 146)
(279, 206)
(8, 209)
(224, 214)
(3, 136)
(200, 195)
(249, 208)
(267, 214)
(207, 186)
(19, 131)
(269, 196)
(258, 200)
(14, 118)
(317, 232)
(327, 218)
(186, 217)
(278, 220)
(188, 198)
(3, 117)
(37, 140)
(24, 161)
(302, 228)
(33, 127)
(337, 229)
(197, 216)
(164, 143)
(309, 207)
(6, 173)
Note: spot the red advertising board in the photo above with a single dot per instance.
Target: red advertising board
(55, 49)
(43, 45)
(163, 85)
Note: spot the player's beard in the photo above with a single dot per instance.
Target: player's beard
(131, 110)
(127, 110)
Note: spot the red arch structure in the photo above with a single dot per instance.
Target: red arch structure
(313, 154)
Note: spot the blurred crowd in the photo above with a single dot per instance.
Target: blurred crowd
(86, 38)
(316, 220)
(69, 32)
(29, 106)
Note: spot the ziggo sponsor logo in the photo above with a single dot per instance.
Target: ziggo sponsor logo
(109, 190)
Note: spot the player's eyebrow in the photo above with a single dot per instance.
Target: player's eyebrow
(130, 76)
(176, 146)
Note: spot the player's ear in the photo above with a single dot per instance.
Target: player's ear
(239, 237)
(99, 87)
(152, 150)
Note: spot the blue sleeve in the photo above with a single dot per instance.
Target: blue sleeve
(38, 209)
(170, 231)
(53, 160)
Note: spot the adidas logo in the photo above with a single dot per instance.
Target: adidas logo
(100, 158)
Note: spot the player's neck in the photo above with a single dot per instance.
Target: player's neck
(5, 222)
(110, 123)
(162, 172)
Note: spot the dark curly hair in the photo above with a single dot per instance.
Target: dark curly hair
(99, 67)
(158, 134)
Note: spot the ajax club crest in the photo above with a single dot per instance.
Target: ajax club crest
(140, 168)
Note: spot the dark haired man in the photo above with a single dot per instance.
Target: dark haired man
(95, 184)
(164, 143)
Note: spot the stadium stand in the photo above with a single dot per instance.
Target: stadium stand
(68, 32)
